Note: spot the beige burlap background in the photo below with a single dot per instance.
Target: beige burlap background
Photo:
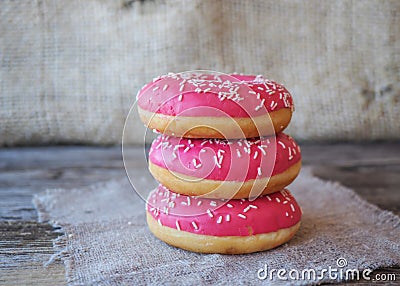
(70, 70)
(106, 240)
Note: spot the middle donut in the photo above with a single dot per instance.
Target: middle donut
(222, 169)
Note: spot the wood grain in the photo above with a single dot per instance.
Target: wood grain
(370, 169)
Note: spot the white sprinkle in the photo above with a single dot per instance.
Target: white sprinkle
(292, 207)
(181, 88)
(278, 200)
(159, 222)
(178, 146)
(252, 92)
(207, 90)
(219, 220)
(283, 145)
(287, 214)
(229, 206)
(188, 201)
(260, 88)
(213, 203)
(242, 216)
(238, 153)
(247, 150)
(199, 203)
(246, 209)
(269, 198)
(184, 203)
(228, 217)
(157, 87)
(195, 164)
(195, 225)
(165, 87)
(186, 149)
(202, 150)
(217, 162)
(285, 202)
(258, 107)
(253, 206)
(259, 171)
(180, 97)
(262, 150)
(258, 96)
(255, 155)
(290, 153)
(178, 227)
(210, 213)
(240, 143)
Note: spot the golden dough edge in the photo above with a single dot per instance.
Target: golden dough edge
(191, 186)
(221, 244)
(182, 126)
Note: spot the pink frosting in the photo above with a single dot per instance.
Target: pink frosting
(195, 95)
(234, 160)
(223, 218)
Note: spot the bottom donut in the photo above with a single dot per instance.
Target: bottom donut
(221, 226)
(221, 244)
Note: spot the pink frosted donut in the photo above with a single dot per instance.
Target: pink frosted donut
(215, 106)
(221, 226)
(216, 168)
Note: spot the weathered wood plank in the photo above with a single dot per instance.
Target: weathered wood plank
(24, 247)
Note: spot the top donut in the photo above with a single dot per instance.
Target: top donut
(199, 105)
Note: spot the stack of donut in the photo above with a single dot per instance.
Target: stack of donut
(222, 162)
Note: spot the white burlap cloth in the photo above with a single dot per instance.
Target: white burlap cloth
(70, 70)
(107, 242)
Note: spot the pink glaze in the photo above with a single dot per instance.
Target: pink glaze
(196, 95)
(223, 218)
(234, 160)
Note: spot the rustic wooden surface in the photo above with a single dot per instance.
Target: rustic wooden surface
(372, 170)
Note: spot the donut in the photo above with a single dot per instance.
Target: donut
(222, 226)
(225, 169)
(215, 106)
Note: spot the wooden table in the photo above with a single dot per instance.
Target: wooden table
(372, 170)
